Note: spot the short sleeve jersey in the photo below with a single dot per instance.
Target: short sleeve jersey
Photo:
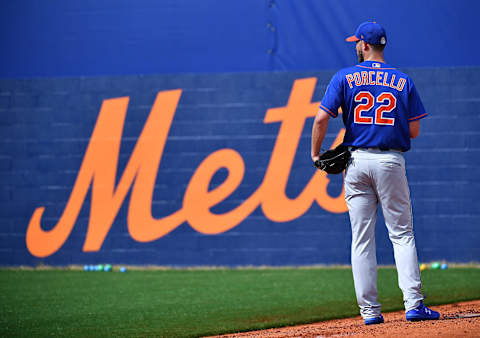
(378, 103)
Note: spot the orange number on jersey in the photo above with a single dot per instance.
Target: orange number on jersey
(358, 118)
(388, 106)
(388, 103)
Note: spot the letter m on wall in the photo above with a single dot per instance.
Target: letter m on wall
(99, 169)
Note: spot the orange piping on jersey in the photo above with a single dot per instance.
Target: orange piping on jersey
(327, 111)
(417, 117)
(373, 67)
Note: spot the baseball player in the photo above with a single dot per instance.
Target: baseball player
(381, 112)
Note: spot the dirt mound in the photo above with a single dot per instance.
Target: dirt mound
(457, 320)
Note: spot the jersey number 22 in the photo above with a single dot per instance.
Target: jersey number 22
(367, 101)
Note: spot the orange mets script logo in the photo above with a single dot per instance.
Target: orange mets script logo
(99, 169)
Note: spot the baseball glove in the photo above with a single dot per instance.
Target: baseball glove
(334, 161)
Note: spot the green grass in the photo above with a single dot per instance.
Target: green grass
(172, 303)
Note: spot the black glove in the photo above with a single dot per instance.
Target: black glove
(334, 161)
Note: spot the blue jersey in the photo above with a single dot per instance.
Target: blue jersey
(378, 102)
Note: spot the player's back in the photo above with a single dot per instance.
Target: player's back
(378, 102)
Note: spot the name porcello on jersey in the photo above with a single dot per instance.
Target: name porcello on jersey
(375, 77)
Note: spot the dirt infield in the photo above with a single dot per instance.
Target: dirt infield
(457, 320)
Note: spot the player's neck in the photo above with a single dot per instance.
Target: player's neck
(375, 57)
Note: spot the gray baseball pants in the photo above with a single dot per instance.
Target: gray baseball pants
(378, 177)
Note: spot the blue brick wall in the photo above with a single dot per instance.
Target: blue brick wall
(46, 126)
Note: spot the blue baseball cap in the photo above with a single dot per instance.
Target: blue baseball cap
(370, 32)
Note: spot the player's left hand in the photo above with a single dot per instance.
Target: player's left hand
(334, 161)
